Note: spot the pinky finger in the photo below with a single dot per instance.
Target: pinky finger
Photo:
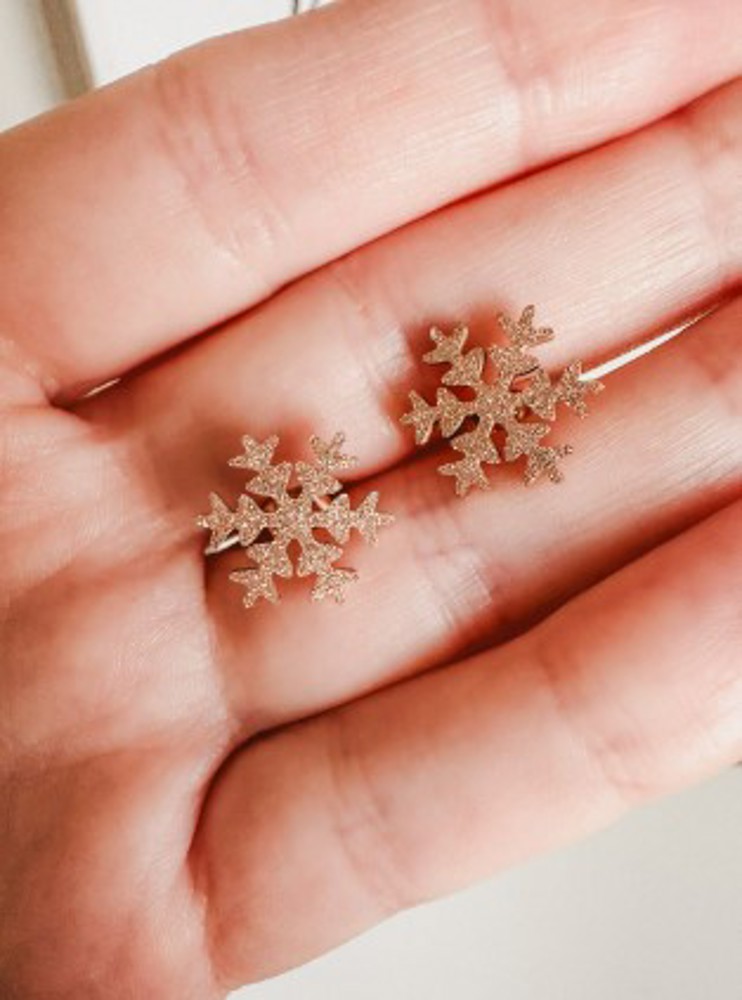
(631, 691)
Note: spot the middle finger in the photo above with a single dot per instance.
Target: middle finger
(611, 245)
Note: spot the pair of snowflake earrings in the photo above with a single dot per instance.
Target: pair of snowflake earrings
(303, 506)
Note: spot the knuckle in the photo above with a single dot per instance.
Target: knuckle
(470, 587)
(366, 826)
(711, 132)
(525, 64)
(206, 142)
(610, 745)
(377, 343)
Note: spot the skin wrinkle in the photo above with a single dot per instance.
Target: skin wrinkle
(509, 30)
(480, 604)
(229, 720)
(200, 868)
(383, 369)
(465, 580)
(553, 665)
(726, 689)
(198, 863)
(206, 155)
(463, 577)
(71, 742)
(37, 385)
(246, 717)
(717, 365)
(121, 426)
(625, 746)
(362, 825)
(163, 524)
(704, 152)
(166, 765)
(86, 540)
(216, 931)
(99, 538)
(70, 781)
(536, 65)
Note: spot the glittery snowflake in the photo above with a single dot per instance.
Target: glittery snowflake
(505, 418)
(287, 506)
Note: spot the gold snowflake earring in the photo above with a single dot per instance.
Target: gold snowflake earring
(514, 404)
(282, 507)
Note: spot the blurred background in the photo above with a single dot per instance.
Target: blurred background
(649, 910)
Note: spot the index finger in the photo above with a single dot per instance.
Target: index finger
(158, 207)
(631, 691)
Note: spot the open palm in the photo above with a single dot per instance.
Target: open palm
(253, 238)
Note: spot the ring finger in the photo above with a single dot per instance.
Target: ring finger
(662, 450)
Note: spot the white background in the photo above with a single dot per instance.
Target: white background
(118, 43)
(650, 910)
(28, 81)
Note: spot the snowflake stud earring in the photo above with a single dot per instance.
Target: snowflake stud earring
(504, 418)
(281, 509)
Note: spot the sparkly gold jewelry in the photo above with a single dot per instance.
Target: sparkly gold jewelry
(514, 405)
(287, 503)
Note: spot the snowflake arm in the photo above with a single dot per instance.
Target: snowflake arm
(220, 521)
(339, 519)
(544, 460)
(255, 456)
(521, 332)
(271, 560)
(422, 418)
(332, 584)
(318, 478)
(477, 449)
(542, 395)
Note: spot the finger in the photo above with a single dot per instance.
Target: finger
(662, 449)
(632, 691)
(611, 245)
(137, 217)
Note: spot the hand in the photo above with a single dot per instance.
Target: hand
(195, 796)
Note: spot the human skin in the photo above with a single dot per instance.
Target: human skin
(253, 238)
